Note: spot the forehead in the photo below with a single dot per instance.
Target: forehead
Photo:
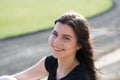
(64, 29)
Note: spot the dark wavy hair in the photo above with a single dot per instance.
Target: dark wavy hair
(81, 28)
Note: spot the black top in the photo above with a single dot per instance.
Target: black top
(78, 73)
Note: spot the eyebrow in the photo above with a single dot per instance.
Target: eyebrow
(63, 34)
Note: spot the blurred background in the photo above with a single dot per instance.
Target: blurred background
(25, 26)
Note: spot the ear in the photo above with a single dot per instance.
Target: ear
(79, 46)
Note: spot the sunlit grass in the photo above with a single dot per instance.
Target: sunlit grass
(24, 16)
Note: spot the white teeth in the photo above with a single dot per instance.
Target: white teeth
(58, 49)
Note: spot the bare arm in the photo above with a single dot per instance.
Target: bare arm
(35, 72)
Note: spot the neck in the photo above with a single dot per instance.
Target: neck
(67, 62)
(65, 66)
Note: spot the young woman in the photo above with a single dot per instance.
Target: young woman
(72, 53)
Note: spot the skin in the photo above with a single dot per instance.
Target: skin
(33, 73)
(63, 42)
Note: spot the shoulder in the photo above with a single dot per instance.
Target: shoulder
(50, 62)
(78, 73)
(50, 58)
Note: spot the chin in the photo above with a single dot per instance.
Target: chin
(55, 56)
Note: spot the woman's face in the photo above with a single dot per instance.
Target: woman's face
(63, 41)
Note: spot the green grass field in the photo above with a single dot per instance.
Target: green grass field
(24, 16)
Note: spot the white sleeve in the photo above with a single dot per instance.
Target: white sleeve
(7, 77)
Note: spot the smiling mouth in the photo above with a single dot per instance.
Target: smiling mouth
(58, 49)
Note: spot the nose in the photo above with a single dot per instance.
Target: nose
(57, 42)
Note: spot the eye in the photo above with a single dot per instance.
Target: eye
(66, 38)
(54, 33)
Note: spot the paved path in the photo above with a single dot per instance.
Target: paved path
(109, 65)
(19, 53)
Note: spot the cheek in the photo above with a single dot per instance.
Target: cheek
(50, 40)
(73, 47)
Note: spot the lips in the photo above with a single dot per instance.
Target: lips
(57, 49)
